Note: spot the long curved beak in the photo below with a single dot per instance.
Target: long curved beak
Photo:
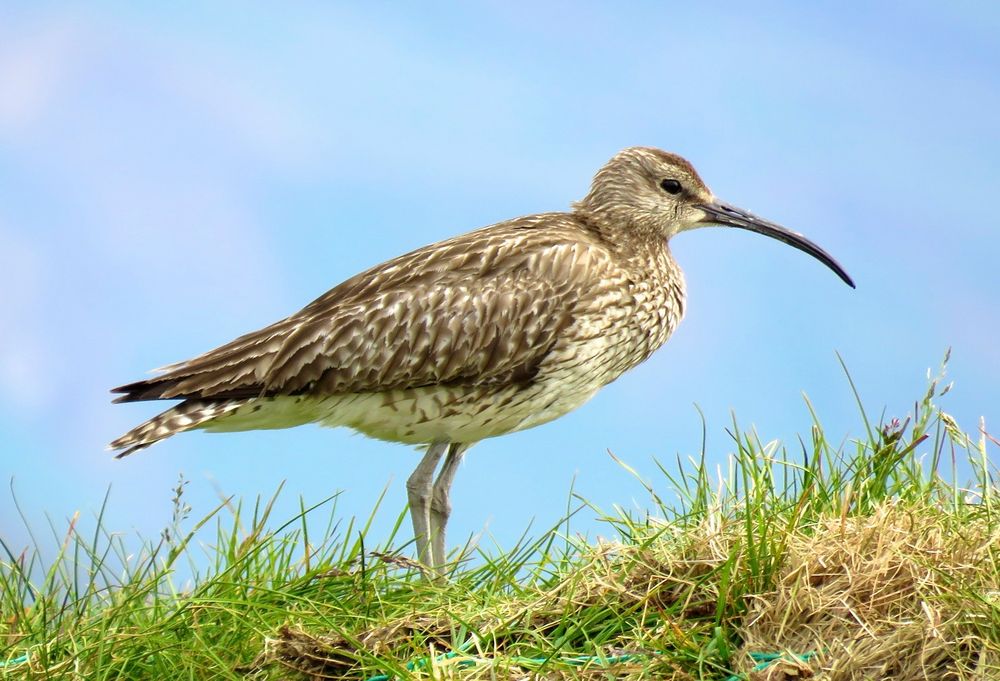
(718, 213)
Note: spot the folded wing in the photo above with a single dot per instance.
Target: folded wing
(446, 314)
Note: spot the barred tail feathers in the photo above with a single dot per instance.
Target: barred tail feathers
(185, 416)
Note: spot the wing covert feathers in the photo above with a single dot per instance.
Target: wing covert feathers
(480, 309)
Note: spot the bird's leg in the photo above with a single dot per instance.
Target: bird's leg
(420, 487)
(441, 504)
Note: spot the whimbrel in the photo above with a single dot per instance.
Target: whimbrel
(494, 331)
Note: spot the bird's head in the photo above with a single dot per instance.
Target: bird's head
(645, 193)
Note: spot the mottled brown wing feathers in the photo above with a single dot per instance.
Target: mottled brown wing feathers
(484, 308)
(228, 371)
(480, 333)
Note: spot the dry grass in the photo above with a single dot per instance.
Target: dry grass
(899, 594)
(902, 593)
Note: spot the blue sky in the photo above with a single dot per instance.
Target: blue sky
(172, 178)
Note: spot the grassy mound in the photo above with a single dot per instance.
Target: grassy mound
(859, 561)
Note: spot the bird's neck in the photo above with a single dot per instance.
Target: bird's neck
(632, 242)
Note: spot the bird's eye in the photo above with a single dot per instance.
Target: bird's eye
(671, 186)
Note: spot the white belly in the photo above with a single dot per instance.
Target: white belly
(414, 416)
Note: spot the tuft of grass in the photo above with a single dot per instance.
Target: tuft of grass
(863, 559)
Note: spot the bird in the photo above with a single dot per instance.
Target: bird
(500, 329)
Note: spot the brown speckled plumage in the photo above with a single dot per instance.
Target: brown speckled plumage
(493, 331)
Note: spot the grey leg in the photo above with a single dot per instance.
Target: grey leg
(441, 504)
(420, 488)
